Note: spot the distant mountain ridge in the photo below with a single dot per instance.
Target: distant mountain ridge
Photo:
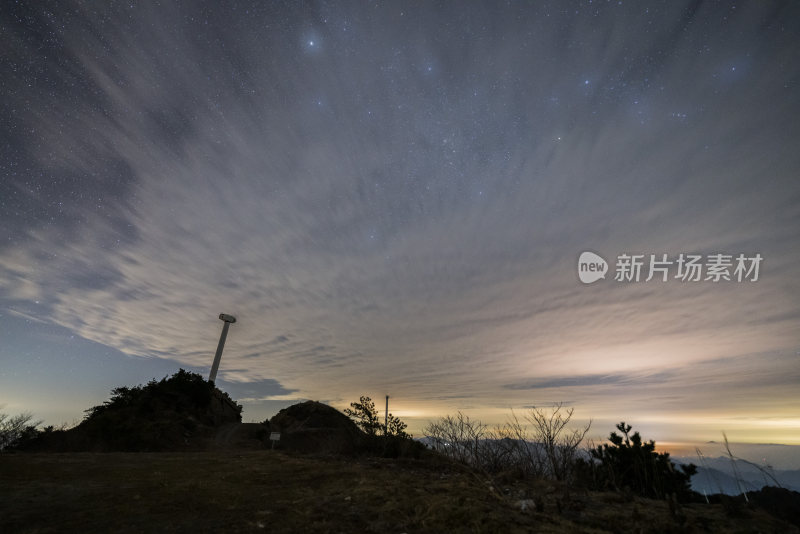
(716, 475)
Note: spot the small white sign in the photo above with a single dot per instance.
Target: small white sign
(275, 436)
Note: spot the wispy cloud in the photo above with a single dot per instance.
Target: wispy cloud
(378, 225)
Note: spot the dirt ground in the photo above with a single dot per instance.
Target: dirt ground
(271, 491)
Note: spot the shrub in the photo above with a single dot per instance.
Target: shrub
(17, 430)
(557, 447)
(366, 417)
(542, 448)
(183, 392)
(177, 412)
(633, 465)
(460, 439)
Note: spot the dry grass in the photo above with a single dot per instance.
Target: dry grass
(269, 491)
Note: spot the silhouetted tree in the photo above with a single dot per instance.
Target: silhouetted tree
(16, 429)
(460, 438)
(158, 415)
(630, 463)
(184, 391)
(366, 417)
(560, 445)
(544, 448)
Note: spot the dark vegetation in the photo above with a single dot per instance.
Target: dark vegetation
(630, 468)
(366, 417)
(17, 429)
(542, 448)
(629, 464)
(318, 428)
(550, 451)
(176, 413)
(333, 471)
(186, 412)
(284, 492)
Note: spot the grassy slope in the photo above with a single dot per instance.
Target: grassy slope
(269, 491)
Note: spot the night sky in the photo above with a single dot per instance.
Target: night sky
(392, 197)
